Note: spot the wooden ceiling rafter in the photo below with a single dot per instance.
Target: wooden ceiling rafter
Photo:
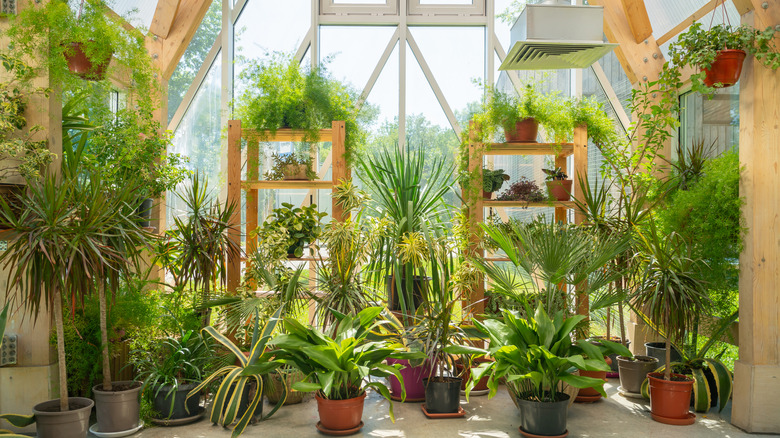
(163, 18)
(638, 20)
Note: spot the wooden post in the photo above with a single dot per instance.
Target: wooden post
(252, 174)
(561, 212)
(473, 199)
(234, 196)
(340, 169)
(757, 372)
(580, 171)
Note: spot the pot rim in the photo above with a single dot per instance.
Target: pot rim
(655, 376)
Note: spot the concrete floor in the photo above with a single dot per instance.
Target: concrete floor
(496, 418)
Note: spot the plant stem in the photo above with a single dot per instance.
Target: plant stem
(104, 336)
(668, 369)
(64, 403)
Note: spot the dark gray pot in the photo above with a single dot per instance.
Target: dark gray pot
(540, 418)
(182, 408)
(442, 397)
(634, 372)
(144, 211)
(51, 423)
(658, 351)
(117, 411)
(243, 405)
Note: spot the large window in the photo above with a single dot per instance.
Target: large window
(713, 122)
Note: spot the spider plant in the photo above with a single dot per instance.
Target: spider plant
(409, 198)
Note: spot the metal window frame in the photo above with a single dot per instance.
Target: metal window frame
(477, 8)
(330, 7)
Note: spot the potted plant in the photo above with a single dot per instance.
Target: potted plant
(240, 392)
(69, 230)
(492, 180)
(558, 184)
(291, 167)
(280, 93)
(720, 51)
(408, 199)
(670, 290)
(712, 380)
(537, 357)
(633, 371)
(299, 225)
(522, 190)
(338, 366)
(170, 372)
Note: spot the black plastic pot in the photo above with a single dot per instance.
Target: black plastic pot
(181, 407)
(419, 286)
(442, 397)
(543, 418)
(658, 351)
(144, 211)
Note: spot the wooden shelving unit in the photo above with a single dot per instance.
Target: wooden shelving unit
(253, 184)
(476, 204)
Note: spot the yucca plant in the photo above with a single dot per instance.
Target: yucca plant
(408, 198)
(235, 378)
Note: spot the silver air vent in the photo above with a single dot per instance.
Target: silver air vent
(557, 36)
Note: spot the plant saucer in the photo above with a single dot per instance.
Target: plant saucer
(476, 392)
(461, 412)
(179, 421)
(335, 432)
(93, 430)
(689, 419)
(627, 394)
(587, 398)
(531, 435)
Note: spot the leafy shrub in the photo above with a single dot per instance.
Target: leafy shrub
(522, 190)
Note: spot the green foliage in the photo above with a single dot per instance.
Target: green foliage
(128, 149)
(522, 190)
(281, 93)
(282, 161)
(536, 355)
(707, 215)
(102, 35)
(299, 225)
(339, 366)
(175, 360)
(3, 320)
(235, 378)
(555, 174)
(15, 144)
(492, 180)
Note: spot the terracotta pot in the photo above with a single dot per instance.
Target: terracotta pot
(560, 189)
(524, 131)
(82, 66)
(590, 394)
(725, 69)
(487, 195)
(340, 414)
(670, 399)
(634, 372)
(466, 375)
(294, 172)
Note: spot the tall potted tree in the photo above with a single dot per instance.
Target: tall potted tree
(670, 290)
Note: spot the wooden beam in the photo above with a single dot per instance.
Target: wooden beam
(641, 60)
(638, 19)
(234, 196)
(743, 6)
(340, 169)
(188, 18)
(163, 17)
(701, 12)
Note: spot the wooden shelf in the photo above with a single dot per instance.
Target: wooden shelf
(325, 135)
(317, 184)
(566, 149)
(545, 204)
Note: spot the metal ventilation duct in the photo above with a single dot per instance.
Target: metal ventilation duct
(557, 36)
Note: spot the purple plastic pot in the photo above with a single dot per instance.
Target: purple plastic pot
(415, 390)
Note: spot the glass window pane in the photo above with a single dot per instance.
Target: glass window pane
(199, 135)
(712, 121)
(446, 2)
(353, 51)
(194, 56)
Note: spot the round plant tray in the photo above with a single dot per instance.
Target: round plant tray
(461, 412)
(627, 394)
(587, 398)
(180, 421)
(687, 421)
(531, 435)
(93, 430)
(334, 432)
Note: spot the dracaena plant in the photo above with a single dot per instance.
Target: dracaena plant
(236, 378)
(338, 366)
(536, 355)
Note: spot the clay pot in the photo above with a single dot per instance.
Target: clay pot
(634, 372)
(725, 69)
(524, 131)
(487, 195)
(340, 414)
(588, 395)
(560, 189)
(466, 375)
(670, 399)
(294, 172)
(82, 66)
